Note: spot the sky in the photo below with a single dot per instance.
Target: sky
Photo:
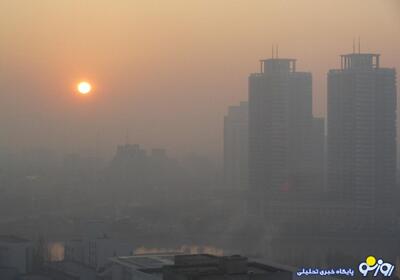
(164, 72)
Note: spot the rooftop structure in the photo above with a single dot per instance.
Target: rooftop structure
(13, 239)
(277, 65)
(205, 266)
(359, 61)
(146, 266)
(199, 266)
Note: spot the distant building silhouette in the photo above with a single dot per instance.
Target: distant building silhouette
(280, 122)
(129, 169)
(362, 132)
(137, 175)
(236, 147)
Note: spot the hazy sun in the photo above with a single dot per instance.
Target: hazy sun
(84, 87)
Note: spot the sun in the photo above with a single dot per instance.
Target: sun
(84, 87)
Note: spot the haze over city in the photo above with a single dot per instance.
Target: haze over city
(206, 140)
(163, 71)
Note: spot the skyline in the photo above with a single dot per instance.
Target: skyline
(173, 96)
(258, 136)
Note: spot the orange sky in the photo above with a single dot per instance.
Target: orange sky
(164, 70)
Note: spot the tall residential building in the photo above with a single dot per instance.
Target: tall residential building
(362, 131)
(280, 121)
(236, 147)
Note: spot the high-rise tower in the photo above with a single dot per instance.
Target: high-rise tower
(362, 131)
(280, 120)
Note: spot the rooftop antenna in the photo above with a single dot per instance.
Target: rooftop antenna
(354, 45)
(359, 45)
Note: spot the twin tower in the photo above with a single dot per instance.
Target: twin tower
(360, 135)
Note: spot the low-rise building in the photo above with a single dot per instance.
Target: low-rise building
(199, 267)
(70, 270)
(139, 267)
(16, 253)
(236, 267)
(95, 252)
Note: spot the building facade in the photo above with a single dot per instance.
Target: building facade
(280, 122)
(318, 158)
(362, 133)
(236, 147)
(16, 253)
